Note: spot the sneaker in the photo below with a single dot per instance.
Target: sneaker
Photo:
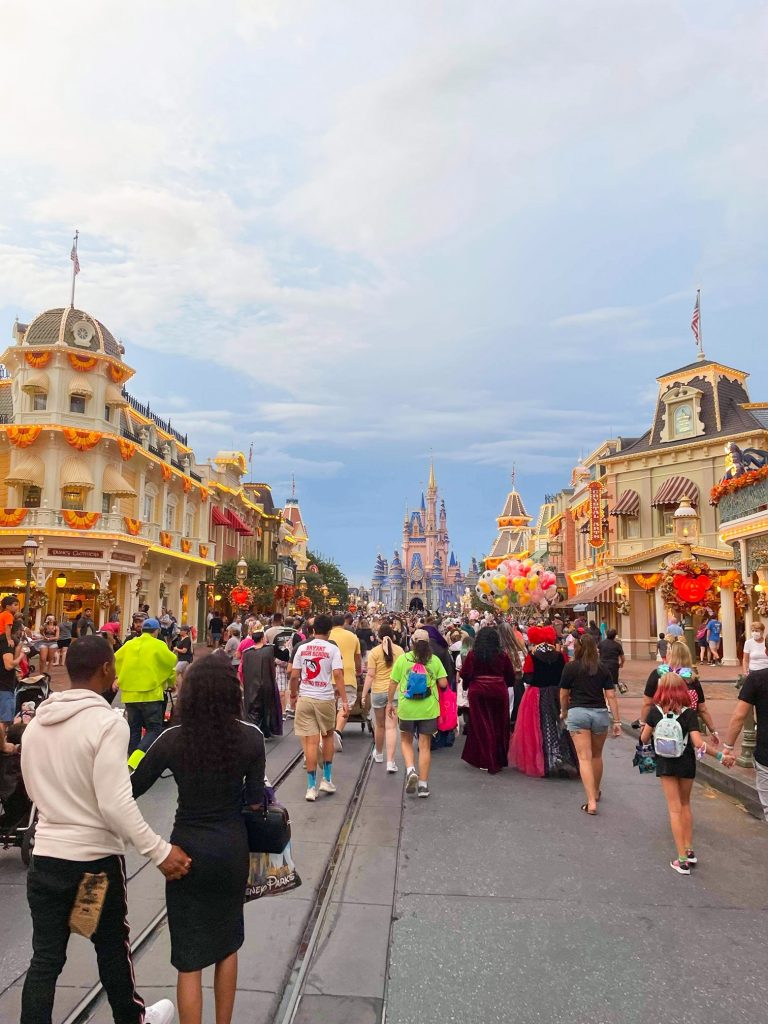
(378, 758)
(288, 713)
(411, 781)
(391, 767)
(338, 746)
(423, 789)
(691, 857)
(311, 793)
(162, 1012)
(326, 786)
(680, 866)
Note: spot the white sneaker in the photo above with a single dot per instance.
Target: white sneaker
(311, 793)
(338, 746)
(326, 786)
(162, 1012)
(411, 781)
(377, 757)
(391, 767)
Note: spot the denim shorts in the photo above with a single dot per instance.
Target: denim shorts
(595, 720)
(378, 700)
(7, 705)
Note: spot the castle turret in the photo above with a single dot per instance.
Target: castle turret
(514, 537)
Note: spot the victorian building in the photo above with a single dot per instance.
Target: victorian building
(428, 574)
(515, 532)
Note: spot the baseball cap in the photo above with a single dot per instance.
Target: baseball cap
(148, 625)
(420, 634)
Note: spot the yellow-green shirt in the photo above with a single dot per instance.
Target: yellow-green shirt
(349, 645)
(409, 710)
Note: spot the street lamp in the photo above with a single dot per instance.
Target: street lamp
(29, 550)
(686, 526)
(325, 592)
(61, 580)
(241, 571)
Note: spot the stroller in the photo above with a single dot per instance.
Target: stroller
(33, 689)
(18, 816)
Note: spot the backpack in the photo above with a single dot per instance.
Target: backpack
(417, 682)
(283, 644)
(668, 739)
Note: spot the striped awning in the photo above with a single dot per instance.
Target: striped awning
(36, 382)
(80, 386)
(592, 592)
(29, 471)
(672, 490)
(627, 505)
(218, 518)
(75, 473)
(116, 484)
(115, 396)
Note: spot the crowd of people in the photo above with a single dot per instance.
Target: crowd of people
(540, 698)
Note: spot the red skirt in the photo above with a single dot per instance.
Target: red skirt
(526, 749)
(488, 739)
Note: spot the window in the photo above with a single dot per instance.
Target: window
(106, 413)
(39, 401)
(31, 498)
(77, 404)
(189, 523)
(170, 516)
(630, 527)
(72, 498)
(667, 522)
(149, 508)
(106, 503)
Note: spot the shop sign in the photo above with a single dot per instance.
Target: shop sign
(74, 553)
(596, 514)
(11, 551)
(120, 556)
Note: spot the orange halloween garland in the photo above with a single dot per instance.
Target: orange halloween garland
(23, 437)
(80, 520)
(10, 517)
(82, 440)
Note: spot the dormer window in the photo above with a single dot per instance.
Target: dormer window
(683, 420)
(681, 413)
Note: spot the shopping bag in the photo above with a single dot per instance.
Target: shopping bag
(271, 874)
(449, 716)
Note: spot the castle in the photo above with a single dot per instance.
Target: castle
(428, 575)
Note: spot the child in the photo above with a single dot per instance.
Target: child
(661, 648)
(677, 773)
(9, 609)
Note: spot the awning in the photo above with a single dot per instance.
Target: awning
(239, 524)
(672, 490)
(80, 386)
(116, 484)
(29, 471)
(218, 518)
(114, 396)
(36, 382)
(76, 473)
(627, 505)
(592, 593)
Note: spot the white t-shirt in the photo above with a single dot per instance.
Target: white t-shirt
(757, 656)
(317, 660)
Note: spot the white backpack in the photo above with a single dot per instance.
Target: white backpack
(668, 738)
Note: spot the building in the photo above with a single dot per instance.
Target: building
(122, 513)
(514, 539)
(428, 574)
(293, 517)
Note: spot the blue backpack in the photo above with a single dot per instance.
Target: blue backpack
(417, 683)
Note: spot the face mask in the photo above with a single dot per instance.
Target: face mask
(757, 636)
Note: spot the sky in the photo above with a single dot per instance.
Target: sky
(363, 235)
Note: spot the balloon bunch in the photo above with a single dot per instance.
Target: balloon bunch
(516, 582)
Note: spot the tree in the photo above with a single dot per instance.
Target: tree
(328, 574)
(259, 580)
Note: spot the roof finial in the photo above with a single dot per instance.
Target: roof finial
(432, 485)
(293, 485)
(514, 475)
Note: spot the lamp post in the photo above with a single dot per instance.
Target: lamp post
(241, 571)
(325, 592)
(687, 534)
(29, 548)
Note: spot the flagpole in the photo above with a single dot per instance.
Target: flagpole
(701, 333)
(73, 257)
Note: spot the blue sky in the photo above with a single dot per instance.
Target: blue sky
(353, 234)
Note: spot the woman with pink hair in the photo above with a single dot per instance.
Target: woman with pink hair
(539, 746)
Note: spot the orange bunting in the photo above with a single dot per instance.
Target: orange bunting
(23, 437)
(186, 546)
(133, 526)
(165, 471)
(118, 373)
(165, 538)
(82, 440)
(83, 364)
(80, 520)
(12, 516)
(127, 448)
(203, 548)
(186, 483)
(647, 582)
(204, 497)
(38, 360)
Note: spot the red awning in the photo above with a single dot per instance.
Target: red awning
(627, 505)
(239, 524)
(672, 490)
(218, 518)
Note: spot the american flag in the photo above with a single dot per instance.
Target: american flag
(696, 320)
(73, 257)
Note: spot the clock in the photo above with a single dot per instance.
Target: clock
(82, 332)
(417, 573)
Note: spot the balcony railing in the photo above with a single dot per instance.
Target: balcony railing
(144, 410)
(114, 522)
(745, 502)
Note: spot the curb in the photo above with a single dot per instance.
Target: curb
(710, 772)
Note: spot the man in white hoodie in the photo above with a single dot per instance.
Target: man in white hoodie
(74, 768)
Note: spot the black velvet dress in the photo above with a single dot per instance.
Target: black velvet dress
(205, 908)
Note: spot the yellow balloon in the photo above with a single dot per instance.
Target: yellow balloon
(519, 585)
(525, 599)
(533, 581)
(503, 603)
(501, 583)
(528, 561)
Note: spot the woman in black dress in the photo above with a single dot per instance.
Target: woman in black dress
(218, 763)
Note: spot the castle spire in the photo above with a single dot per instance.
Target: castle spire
(432, 485)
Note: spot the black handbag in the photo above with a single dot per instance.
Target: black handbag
(268, 831)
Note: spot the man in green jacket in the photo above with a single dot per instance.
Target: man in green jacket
(145, 667)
